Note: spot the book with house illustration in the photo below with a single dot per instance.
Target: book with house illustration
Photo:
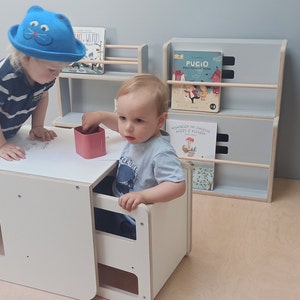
(94, 39)
(195, 140)
(196, 66)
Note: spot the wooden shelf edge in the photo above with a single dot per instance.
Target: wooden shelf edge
(130, 47)
(112, 61)
(108, 75)
(243, 195)
(228, 113)
(224, 84)
(229, 162)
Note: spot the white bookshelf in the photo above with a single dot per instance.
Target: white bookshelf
(249, 111)
(76, 91)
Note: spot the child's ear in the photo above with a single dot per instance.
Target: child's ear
(26, 59)
(162, 119)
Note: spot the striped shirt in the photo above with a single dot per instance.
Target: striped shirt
(18, 99)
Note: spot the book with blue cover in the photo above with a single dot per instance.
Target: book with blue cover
(196, 66)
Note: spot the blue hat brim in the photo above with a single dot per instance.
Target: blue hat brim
(79, 52)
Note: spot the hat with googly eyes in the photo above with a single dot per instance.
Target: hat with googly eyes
(46, 35)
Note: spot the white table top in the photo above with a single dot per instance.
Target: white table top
(58, 158)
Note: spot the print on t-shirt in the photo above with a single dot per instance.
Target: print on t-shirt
(126, 175)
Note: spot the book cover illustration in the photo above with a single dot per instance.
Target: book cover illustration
(196, 66)
(192, 139)
(94, 39)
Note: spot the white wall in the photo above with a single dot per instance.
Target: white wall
(154, 22)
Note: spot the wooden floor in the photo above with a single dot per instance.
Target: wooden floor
(242, 250)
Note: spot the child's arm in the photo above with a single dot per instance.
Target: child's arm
(37, 121)
(163, 192)
(91, 120)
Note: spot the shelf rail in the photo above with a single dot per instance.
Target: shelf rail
(229, 162)
(117, 60)
(225, 84)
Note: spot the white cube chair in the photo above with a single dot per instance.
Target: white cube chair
(138, 269)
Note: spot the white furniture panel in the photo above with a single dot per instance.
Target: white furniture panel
(163, 238)
(46, 214)
(47, 235)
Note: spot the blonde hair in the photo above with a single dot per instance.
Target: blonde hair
(15, 57)
(159, 90)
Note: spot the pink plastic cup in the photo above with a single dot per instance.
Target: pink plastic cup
(90, 144)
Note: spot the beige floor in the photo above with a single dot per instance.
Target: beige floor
(242, 250)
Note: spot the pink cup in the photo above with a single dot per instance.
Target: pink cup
(90, 144)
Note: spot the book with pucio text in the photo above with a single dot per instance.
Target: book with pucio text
(196, 66)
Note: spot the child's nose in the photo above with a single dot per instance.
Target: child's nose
(129, 126)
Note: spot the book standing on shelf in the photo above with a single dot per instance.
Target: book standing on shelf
(94, 39)
(195, 140)
(196, 66)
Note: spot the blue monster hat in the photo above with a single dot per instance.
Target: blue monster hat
(46, 35)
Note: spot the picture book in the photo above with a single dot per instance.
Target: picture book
(94, 39)
(196, 66)
(193, 139)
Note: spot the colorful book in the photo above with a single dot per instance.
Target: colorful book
(94, 39)
(193, 139)
(196, 66)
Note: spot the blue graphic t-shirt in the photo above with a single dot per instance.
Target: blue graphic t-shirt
(146, 165)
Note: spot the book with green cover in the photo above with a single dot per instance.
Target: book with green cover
(196, 66)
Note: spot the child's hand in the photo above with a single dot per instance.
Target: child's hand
(130, 201)
(90, 121)
(11, 152)
(42, 133)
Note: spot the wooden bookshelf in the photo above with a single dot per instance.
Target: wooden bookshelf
(76, 91)
(249, 112)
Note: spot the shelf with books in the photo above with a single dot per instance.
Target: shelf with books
(250, 98)
(243, 108)
(126, 66)
(244, 153)
(76, 91)
(252, 72)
